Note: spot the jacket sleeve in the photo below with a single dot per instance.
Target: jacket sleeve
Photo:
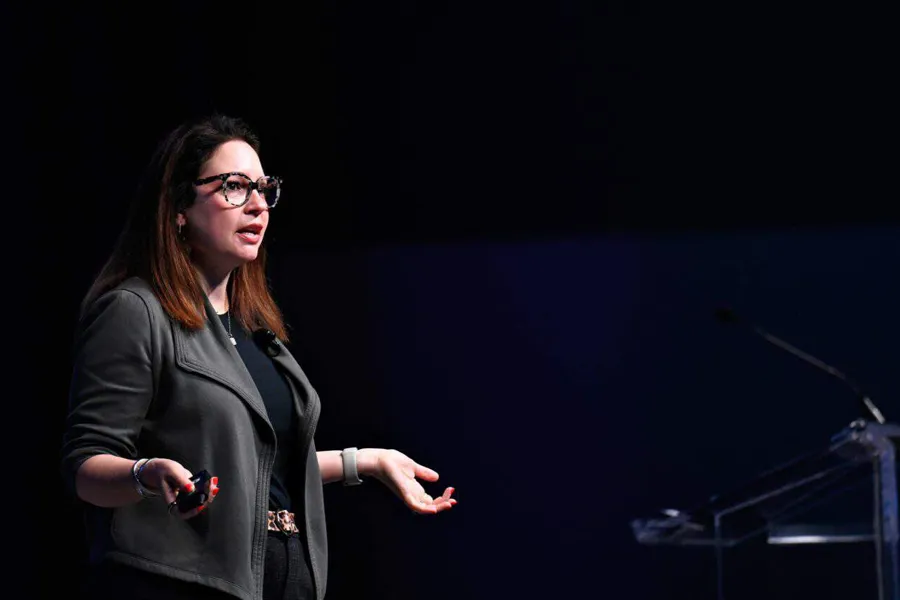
(112, 382)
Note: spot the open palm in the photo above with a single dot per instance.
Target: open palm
(400, 473)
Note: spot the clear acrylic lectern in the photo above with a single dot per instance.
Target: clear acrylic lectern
(790, 505)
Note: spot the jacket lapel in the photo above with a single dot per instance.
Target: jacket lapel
(210, 353)
(306, 401)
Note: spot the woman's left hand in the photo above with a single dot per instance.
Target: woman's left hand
(399, 472)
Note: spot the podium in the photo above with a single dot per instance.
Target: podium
(799, 502)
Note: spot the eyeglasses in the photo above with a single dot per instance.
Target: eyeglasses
(237, 187)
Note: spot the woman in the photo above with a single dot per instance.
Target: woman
(180, 368)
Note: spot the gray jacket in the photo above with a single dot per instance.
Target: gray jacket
(143, 386)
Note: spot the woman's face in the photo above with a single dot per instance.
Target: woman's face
(223, 236)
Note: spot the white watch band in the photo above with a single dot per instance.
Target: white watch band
(348, 458)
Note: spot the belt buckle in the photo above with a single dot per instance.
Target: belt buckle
(285, 522)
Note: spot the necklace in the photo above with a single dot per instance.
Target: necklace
(230, 336)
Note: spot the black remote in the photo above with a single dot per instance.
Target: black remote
(189, 501)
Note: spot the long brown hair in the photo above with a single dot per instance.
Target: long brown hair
(150, 247)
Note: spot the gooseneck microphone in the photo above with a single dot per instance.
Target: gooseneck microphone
(726, 315)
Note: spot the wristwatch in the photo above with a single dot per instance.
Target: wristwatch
(348, 458)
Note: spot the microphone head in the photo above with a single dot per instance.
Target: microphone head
(726, 315)
(267, 341)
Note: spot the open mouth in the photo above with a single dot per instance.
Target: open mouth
(251, 233)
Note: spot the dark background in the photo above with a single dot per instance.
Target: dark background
(504, 229)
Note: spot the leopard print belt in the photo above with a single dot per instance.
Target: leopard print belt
(282, 521)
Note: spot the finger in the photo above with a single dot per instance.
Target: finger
(425, 509)
(176, 481)
(196, 511)
(445, 502)
(185, 488)
(171, 489)
(192, 513)
(423, 472)
(213, 492)
(418, 503)
(168, 493)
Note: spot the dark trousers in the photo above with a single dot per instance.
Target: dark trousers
(287, 577)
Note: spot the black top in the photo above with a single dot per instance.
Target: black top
(279, 405)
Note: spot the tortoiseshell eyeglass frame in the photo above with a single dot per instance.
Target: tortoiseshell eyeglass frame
(252, 185)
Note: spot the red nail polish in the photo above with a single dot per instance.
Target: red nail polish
(214, 492)
(215, 481)
(189, 488)
(201, 509)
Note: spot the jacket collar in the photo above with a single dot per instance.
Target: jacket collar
(210, 353)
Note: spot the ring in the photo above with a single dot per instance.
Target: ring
(172, 505)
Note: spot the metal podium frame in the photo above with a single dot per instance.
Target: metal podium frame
(762, 504)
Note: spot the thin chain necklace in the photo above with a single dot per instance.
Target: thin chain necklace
(228, 315)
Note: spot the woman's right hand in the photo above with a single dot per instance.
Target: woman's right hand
(169, 478)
